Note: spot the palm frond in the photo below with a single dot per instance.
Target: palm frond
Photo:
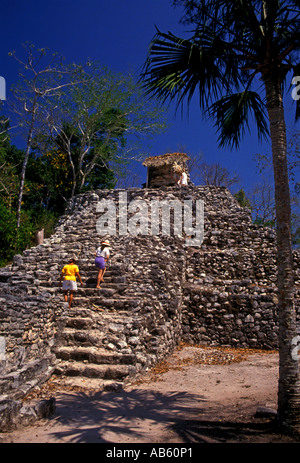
(231, 114)
(176, 67)
(233, 42)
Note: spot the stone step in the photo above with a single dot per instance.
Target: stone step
(85, 384)
(107, 303)
(107, 289)
(89, 266)
(100, 323)
(112, 338)
(91, 279)
(89, 330)
(111, 282)
(113, 372)
(92, 354)
(99, 315)
(113, 277)
(80, 323)
(43, 270)
(82, 337)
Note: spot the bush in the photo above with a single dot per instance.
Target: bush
(12, 240)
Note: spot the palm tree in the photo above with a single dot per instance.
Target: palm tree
(240, 50)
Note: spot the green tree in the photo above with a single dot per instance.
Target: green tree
(242, 199)
(100, 124)
(51, 175)
(11, 240)
(35, 214)
(238, 46)
(42, 78)
(8, 169)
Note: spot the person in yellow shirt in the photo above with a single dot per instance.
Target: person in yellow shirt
(68, 277)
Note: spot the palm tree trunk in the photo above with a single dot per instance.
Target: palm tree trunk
(288, 412)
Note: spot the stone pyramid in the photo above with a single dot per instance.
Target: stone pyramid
(159, 289)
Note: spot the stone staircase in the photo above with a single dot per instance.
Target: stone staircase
(88, 357)
(97, 348)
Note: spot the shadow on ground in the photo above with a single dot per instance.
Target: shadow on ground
(143, 416)
(113, 417)
(198, 431)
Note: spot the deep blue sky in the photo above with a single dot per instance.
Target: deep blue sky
(117, 34)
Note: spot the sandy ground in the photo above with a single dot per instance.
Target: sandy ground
(198, 395)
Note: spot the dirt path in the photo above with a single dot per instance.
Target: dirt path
(197, 395)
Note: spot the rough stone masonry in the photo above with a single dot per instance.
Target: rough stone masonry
(159, 292)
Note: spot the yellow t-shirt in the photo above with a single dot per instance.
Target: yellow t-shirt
(70, 271)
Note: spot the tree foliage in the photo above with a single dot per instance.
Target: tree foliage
(106, 117)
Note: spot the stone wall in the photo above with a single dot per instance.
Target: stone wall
(28, 322)
(229, 294)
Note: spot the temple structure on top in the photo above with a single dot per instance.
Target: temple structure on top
(163, 170)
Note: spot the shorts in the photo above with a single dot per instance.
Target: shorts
(69, 285)
(100, 262)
